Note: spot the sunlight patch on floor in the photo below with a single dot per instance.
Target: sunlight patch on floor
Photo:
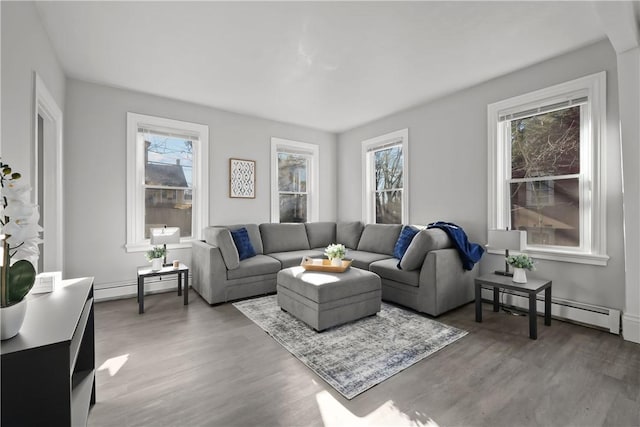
(114, 364)
(334, 414)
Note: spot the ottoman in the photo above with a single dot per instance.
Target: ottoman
(323, 300)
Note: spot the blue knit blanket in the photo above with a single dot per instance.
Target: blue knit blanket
(470, 253)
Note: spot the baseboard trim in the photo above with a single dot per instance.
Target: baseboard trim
(126, 289)
(580, 313)
(631, 327)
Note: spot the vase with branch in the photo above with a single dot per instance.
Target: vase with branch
(20, 251)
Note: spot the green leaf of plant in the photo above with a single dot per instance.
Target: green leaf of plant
(21, 278)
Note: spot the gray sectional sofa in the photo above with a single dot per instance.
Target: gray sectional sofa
(431, 279)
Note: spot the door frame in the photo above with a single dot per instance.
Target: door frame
(46, 106)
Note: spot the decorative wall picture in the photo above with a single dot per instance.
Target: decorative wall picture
(242, 178)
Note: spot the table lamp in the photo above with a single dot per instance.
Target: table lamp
(508, 240)
(164, 236)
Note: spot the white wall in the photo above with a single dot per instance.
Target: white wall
(95, 173)
(448, 167)
(25, 49)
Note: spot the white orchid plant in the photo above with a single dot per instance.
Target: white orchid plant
(20, 251)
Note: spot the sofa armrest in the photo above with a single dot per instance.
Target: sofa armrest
(208, 269)
(444, 284)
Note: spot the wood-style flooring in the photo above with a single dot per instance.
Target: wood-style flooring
(199, 365)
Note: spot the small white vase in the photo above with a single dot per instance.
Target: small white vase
(519, 275)
(11, 319)
(156, 264)
(336, 262)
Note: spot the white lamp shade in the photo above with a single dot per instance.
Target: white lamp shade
(165, 236)
(507, 239)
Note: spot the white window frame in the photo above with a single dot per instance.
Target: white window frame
(280, 145)
(136, 241)
(399, 137)
(592, 166)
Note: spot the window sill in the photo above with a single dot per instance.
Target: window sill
(145, 246)
(562, 256)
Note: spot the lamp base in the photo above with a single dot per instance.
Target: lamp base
(503, 273)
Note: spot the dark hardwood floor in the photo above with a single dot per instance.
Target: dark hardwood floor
(198, 365)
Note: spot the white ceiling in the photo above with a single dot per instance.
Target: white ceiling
(327, 65)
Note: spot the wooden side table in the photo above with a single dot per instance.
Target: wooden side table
(182, 271)
(531, 288)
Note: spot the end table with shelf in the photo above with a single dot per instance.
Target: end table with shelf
(532, 288)
(183, 281)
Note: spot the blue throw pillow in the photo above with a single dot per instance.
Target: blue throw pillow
(243, 243)
(404, 240)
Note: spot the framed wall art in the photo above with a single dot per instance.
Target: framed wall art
(242, 179)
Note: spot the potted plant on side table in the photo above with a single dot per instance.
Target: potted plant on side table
(155, 256)
(20, 239)
(519, 264)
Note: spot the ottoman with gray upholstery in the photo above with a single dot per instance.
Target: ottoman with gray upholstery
(323, 300)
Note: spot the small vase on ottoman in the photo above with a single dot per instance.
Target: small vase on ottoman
(335, 253)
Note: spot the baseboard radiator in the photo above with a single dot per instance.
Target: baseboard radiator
(585, 314)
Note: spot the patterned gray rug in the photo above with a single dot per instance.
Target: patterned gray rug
(356, 356)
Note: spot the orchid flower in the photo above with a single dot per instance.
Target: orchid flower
(20, 218)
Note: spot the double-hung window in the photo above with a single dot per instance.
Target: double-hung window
(385, 168)
(546, 169)
(294, 181)
(166, 178)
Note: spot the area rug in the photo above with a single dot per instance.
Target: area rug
(356, 356)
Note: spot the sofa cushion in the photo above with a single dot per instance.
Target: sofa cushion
(293, 258)
(388, 269)
(284, 237)
(243, 243)
(254, 266)
(321, 234)
(221, 237)
(379, 238)
(362, 259)
(425, 241)
(348, 233)
(254, 235)
(404, 240)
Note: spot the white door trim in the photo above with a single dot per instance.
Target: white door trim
(46, 106)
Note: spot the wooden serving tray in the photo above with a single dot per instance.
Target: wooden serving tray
(316, 264)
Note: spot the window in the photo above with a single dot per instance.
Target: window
(294, 181)
(166, 178)
(546, 160)
(385, 168)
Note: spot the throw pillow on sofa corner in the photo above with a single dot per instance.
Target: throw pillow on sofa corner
(243, 243)
(404, 240)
